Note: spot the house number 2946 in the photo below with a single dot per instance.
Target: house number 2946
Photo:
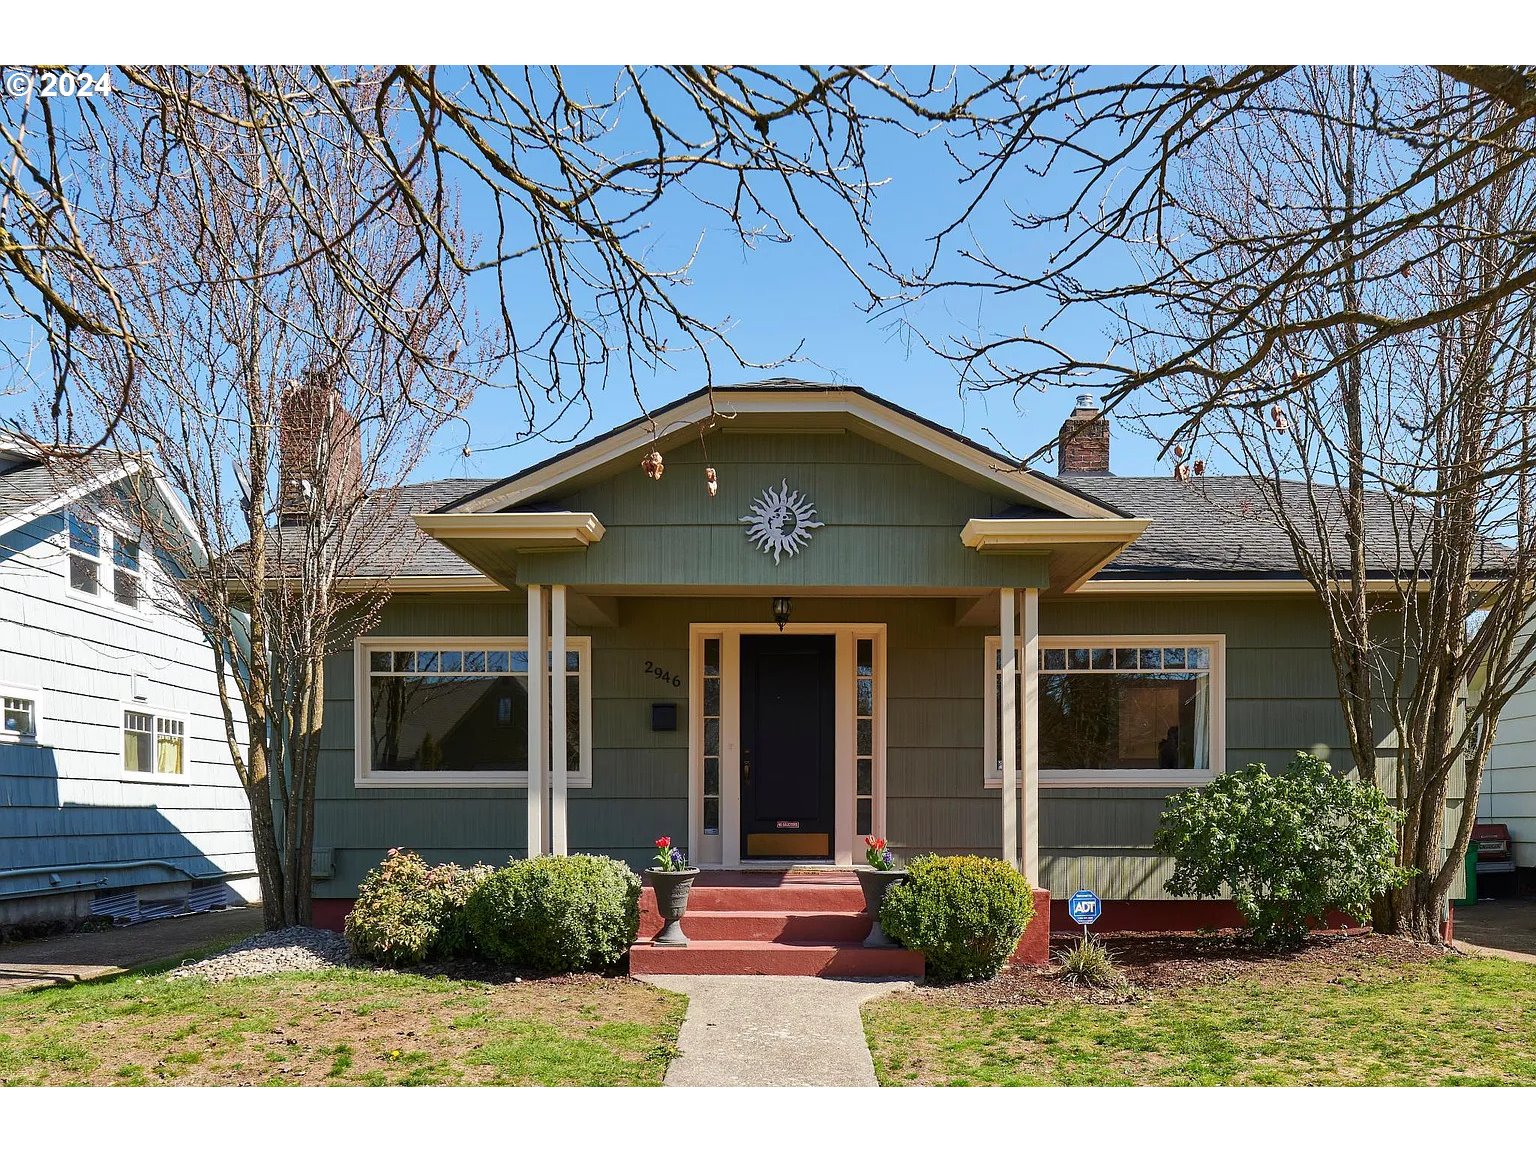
(666, 677)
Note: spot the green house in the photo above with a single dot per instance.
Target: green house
(813, 616)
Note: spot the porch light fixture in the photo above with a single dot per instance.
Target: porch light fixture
(781, 611)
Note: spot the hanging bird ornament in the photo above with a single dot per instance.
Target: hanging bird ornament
(653, 465)
(711, 485)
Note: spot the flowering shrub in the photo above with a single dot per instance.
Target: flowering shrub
(668, 858)
(964, 913)
(1287, 847)
(878, 855)
(556, 913)
(407, 912)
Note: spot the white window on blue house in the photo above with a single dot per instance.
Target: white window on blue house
(103, 562)
(18, 714)
(1120, 710)
(153, 743)
(456, 713)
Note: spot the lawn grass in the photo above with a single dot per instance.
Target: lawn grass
(347, 1026)
(1451, 1021)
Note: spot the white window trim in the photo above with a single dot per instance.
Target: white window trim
(106, 566)
(363, 774)
(144, 708)
(1120, 778)
(22, 692)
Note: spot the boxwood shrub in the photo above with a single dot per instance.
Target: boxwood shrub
(964, 913)
(407, 912)
(556, 914)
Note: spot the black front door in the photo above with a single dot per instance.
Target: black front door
(788, 769)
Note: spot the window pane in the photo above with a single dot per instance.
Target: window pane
(711, 776)
(711, 696)
(17, 716)
(712, 737)
(866, 698)
(518, 660)
(448, 724)
(125, 554)
(1103, 658)
(405, 661)
(866, 777)
(865, 825)
(474, 661)
(378, 661)
(866, 658)
(1053, 659)
(712, 657)
(1173, 657)
(711, 816)
(1077, 658)
(452, 662)
(866, 741)
(83, 575)
(125, 588)
(1199, 657)
(138, 742)
(1125, 658)
(1151, 657)
(168, 755)
(572, 660)
(426, 661)
(1130, 722)
(84, 536)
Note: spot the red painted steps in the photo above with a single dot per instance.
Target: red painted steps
(770, 958)
(770, 924)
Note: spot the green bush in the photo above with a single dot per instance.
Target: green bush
(1287, 847)
(557, 913)
(406, 912)
(964, 913)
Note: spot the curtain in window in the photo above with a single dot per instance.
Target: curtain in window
(168, 755)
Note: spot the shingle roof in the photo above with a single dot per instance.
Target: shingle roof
(1225, 526)
(27, 483)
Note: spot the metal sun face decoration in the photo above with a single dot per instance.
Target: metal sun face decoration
(781, 521)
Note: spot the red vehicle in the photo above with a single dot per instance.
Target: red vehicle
(1493, 849)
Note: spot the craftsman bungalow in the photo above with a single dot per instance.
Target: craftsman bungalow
(788, 616)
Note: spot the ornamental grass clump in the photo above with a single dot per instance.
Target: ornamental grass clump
(407, 912)
(964, 913)
(1288, 847)
(556, 914)
(1088, 963)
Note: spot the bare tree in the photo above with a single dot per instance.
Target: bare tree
(286, 398)
(1400, 467)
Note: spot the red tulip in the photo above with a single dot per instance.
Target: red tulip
(664, 842)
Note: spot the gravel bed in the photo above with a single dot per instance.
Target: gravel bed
(287, 950)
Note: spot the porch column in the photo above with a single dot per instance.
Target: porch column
(559, 736)
(538, 720)
(1008, 653)
(1029, 770)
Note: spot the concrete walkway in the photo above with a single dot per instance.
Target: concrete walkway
(80, 956)
(1504, 928)
(773, 1031)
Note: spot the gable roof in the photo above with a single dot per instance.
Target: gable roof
(31, 486)
(809, 404)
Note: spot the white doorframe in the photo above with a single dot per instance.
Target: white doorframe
(724, 850)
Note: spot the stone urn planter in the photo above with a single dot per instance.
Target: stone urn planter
(672, 890)
(875, 883)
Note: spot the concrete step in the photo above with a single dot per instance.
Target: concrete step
(799, 897)
(785, 927)
(771, 958)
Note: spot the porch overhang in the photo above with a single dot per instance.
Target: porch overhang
(1075, 549)
(494, 542)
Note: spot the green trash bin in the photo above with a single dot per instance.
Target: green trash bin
(1471, 870)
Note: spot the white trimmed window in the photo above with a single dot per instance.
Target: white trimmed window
(454, 713)
(1119, 710)
(102, 562)
(18, 713)
(153, 743)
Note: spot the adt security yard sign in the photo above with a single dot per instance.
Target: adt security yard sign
(1084, 907)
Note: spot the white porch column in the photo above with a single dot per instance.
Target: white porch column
(559, 736)
(538, 720)
(1029, 770)
(1008, 652)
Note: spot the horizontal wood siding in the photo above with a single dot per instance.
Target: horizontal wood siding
(1509, 782)
(65, 801)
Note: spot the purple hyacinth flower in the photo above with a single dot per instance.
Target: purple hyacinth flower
(888, 859)
(677, 859)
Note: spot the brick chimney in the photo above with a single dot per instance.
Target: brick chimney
(317, 438)
(1082, 445)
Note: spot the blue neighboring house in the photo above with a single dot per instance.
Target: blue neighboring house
(118, 795)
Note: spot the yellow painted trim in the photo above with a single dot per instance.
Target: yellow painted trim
(988, 535)
(535, 529)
